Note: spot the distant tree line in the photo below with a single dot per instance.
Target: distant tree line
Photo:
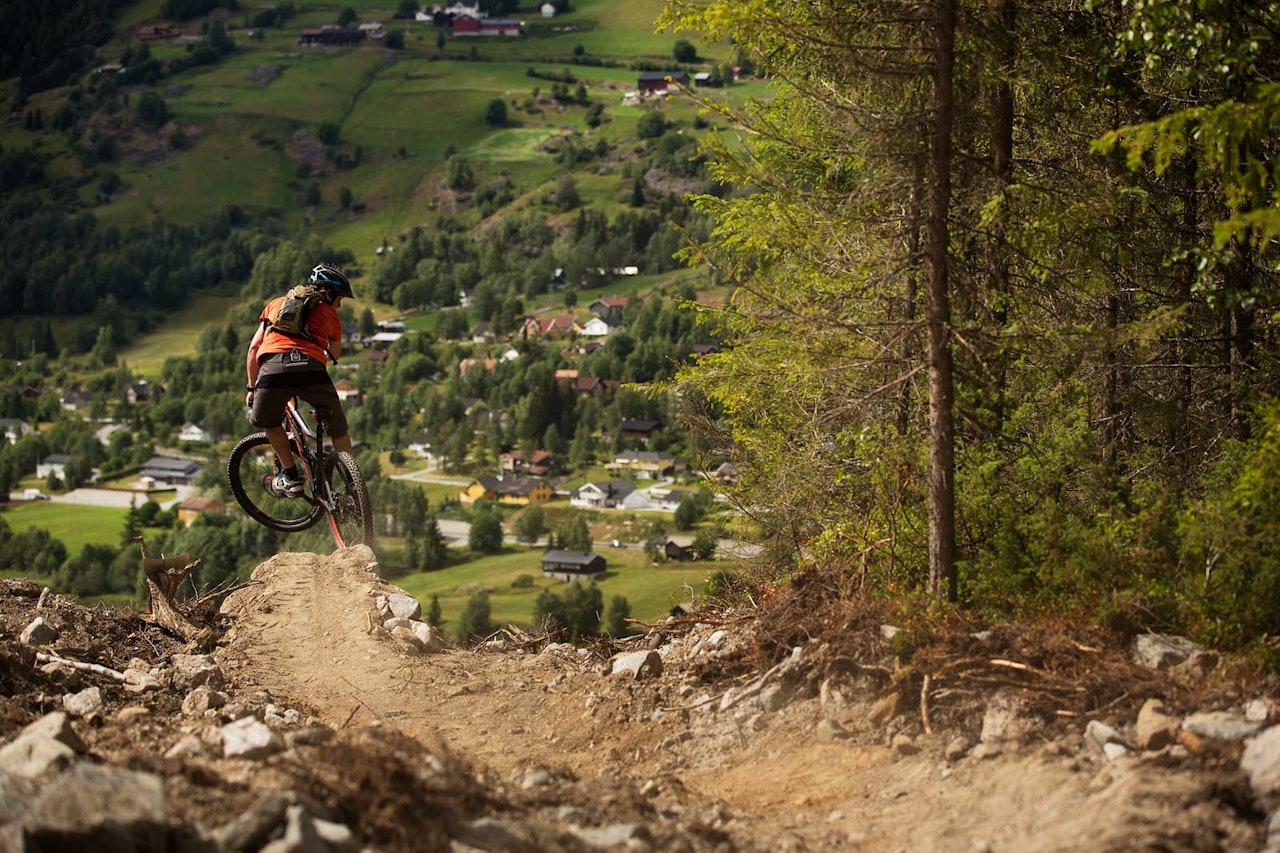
(186, 10)
(47, 43)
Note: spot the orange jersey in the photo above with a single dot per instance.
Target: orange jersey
(323, 324)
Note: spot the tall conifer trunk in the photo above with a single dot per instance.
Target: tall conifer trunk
(1001, 15)
(942, 507)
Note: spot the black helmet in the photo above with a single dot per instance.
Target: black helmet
(331, 278)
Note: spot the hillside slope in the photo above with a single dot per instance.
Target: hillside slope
(526, 746)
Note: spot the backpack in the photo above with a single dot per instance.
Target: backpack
(290, 317)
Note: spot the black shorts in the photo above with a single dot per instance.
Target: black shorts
(285, 375)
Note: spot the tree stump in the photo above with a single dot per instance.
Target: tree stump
(164, 576)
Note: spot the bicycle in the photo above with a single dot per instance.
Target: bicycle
(334, 485)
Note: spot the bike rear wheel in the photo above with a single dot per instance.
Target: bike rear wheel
(250, 468)
(352, 517)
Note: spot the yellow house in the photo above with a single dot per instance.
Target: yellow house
(518, 491)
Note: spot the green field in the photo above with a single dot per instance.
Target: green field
(650, 590)
(76, 526)
(177, 335)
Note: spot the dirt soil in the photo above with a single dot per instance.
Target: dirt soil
(799, 725)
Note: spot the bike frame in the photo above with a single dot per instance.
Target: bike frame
(300, 435)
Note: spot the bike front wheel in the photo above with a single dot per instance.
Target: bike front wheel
(352, 516)
(250, 469)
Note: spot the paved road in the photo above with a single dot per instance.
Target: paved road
(104, 497)
(432, 477)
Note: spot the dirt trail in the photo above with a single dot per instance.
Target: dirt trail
(306, 630)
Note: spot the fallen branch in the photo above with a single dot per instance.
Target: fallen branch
(924, 705)
(96, 668)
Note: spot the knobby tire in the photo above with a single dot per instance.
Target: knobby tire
(252, 460)
(352, 517)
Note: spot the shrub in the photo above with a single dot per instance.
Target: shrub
(1231, 540)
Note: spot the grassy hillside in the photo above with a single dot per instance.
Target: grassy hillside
(252, 118)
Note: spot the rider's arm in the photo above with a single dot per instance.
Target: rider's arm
(333, 337)
(251, 358)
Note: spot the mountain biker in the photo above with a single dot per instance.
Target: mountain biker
(281, 366)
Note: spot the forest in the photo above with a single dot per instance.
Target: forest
(1003, 331)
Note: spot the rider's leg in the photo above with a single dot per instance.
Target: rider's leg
(342, 442)
(280, 444)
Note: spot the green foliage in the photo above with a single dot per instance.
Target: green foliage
(475, 622)
(573, 533)
(459, 175)
(531, 524)
(1230, 558)
(329, 132)
(720, 582)
(486, 531)
(152, 109)
(577, 613)
(687, 513)
(433, 615)
(685, 51)
(495, 113)
(46, 44)
(616, 616)
(652, 124)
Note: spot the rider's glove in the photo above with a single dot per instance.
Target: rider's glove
(248, 398)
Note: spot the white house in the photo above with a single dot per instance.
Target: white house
(195, 433)
(14, 429)
(605, 495)
(548, 10)
(373, 29)
(595, 328)
(420, 444)
(55, 464)
(465, 7)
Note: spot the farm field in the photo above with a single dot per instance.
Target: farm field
(76, 526)
(650, 590)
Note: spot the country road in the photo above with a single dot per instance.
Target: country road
(118, 498)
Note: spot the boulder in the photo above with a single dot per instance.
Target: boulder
(638, 664)
(94, 807)
(1220, 725)
(39, 633)
(1162, 651)
(404, 606)
(248, 738)
(86, 703)
(1261, 765)
(190, 671)
(1156, 729)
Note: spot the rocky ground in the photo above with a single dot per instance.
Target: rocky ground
(321, 713)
